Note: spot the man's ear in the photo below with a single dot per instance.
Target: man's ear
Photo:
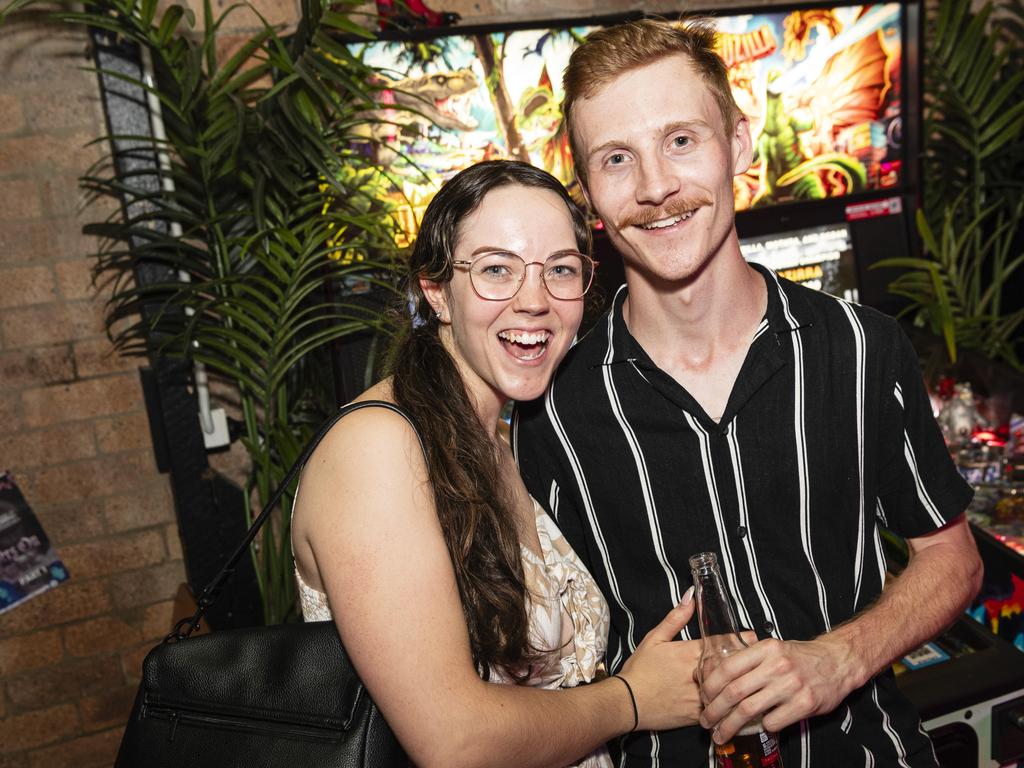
(585, 191)
(435, 295)
(742, 146)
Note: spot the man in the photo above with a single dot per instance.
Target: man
(719, 408)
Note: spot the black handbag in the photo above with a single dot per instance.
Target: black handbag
(284, 695)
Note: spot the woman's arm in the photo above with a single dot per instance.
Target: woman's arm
(367, 516)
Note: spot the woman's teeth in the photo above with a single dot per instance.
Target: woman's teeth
(528, 339)
(662, 223)
(525, 345)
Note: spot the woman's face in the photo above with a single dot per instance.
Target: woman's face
(508, 350)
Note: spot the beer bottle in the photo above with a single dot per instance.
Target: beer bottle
(753, 746)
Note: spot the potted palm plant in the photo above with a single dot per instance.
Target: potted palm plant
(972, 209)
(265, 200)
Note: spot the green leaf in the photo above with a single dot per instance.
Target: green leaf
(998, 101)
(342, 23)
(240, 57)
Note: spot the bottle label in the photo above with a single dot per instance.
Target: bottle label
(751, 748)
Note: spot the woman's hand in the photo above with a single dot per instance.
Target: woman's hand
(661, 673)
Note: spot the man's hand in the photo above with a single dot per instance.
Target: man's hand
(783, 681)
(787, 681)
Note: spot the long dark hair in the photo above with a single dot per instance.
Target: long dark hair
(472, 502)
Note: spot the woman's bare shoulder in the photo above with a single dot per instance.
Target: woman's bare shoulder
(370, 433)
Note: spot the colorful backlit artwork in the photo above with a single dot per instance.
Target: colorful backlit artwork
(821, 88)
(460, 99)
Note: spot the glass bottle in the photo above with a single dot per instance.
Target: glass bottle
(753, 746)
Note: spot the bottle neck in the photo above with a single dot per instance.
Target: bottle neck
(714, 607)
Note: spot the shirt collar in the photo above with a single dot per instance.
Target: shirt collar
(787, 311)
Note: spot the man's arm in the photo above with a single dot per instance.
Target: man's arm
(787, 681)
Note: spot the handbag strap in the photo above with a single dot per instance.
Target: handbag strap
(188, 625)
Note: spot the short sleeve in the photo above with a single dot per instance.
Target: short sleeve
(920, 489)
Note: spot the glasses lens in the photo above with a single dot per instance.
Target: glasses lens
(568, 276)
(497, 275)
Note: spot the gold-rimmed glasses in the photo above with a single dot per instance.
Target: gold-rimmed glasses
(498, 276)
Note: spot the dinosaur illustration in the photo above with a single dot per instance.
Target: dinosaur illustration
(797, 30)
(799, 152)
(539, 117)
(852, 87)
(787, 168)
(424, 101)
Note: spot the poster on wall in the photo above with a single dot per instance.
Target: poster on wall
(28, 564)
(820, 86)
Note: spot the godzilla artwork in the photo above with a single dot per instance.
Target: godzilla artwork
(821, 89)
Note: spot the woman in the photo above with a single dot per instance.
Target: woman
(442, 574)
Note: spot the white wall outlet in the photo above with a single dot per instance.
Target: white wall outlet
(219, 437)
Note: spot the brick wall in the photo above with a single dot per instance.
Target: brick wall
(72, 421)
(73, 427)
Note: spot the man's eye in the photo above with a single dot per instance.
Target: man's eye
(681, 141)
(617, 159)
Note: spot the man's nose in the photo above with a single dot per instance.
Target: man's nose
(656, 182)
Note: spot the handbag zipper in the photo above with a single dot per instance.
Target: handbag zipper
(189, 717)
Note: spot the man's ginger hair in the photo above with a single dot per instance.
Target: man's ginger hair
(608, 53)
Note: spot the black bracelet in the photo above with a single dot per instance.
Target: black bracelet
(632, 700)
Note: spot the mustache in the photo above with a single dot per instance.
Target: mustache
(646, 217)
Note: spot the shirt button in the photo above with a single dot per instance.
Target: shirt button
(768, 627)
(741, 531)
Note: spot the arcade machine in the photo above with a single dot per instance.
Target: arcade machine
(968, 684)
(976, 706)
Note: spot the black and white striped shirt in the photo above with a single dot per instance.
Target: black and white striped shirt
(827, 438)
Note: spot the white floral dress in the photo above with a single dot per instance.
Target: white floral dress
(568, 614)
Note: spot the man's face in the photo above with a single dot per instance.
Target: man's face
(660, 167)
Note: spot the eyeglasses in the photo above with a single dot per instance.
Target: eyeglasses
(499, 276)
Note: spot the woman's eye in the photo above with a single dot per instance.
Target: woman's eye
(562, 271)
(681, 141)
(494, 271)
(617, 159)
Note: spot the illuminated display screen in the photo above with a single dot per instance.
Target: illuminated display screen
(818, 257)
(821, 88)
(479, 97)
